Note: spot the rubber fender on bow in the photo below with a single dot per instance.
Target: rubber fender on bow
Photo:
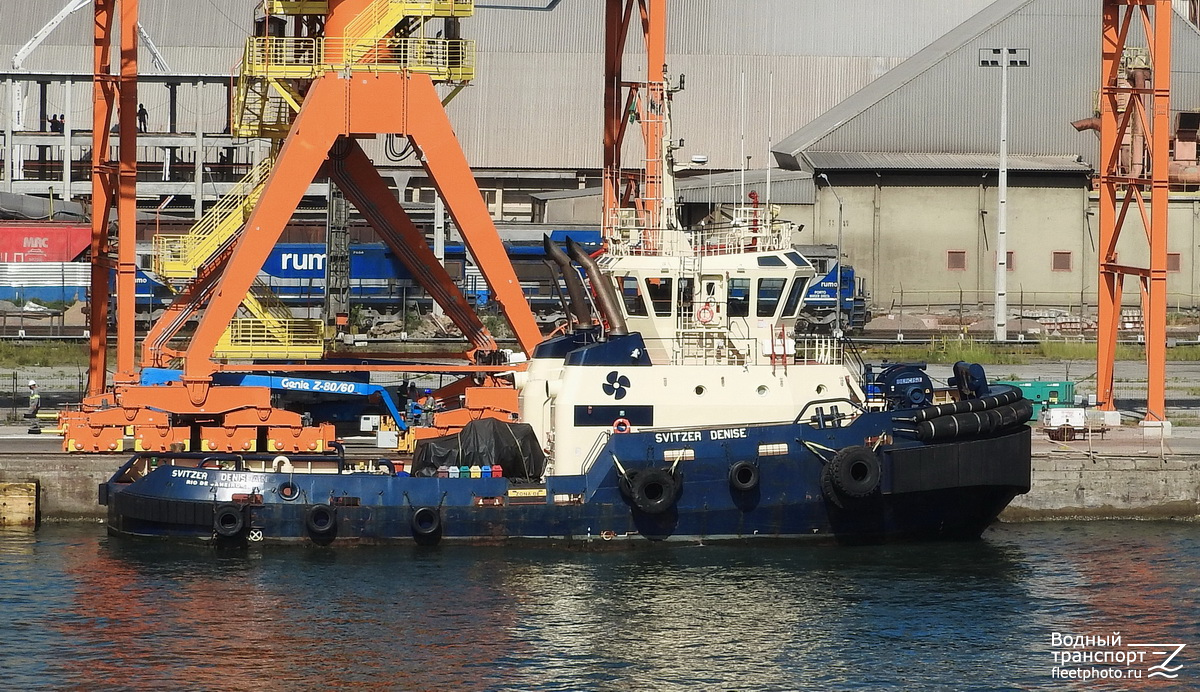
(980, 423)
(743, 476)
(228, 520)
(854, 471)
(321, 519)
(654, 491)
(968, 405)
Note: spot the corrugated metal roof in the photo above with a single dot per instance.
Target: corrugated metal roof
(940, 101)
(895, 161)
(787, 187)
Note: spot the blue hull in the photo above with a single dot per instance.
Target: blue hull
(785, 481)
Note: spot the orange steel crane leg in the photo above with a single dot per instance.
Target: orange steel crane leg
(1122, 190)
(359, 180)
(104, 93)
(113, 184)
(362, 104)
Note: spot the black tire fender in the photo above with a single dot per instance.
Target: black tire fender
(228, 520)
(654, 491)
(743, 476)
(321, 519)
(426, 521)
(855, 471)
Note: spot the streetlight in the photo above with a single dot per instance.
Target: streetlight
(1003, 58)
(837, 300)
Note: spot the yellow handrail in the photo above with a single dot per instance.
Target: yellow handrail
(181, 255)
(309, 58)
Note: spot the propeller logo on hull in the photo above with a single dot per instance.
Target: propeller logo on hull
(616, 385)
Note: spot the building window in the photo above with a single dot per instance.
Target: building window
(1008, 261)
(1172, 261)
(1062, 262)
(956, 259)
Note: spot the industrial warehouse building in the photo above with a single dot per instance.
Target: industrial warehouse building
(886, 100)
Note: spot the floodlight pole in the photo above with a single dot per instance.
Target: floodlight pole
(1003, 58)
(837, 301)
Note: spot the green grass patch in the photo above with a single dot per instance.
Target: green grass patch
(16, 354)
(953, 350)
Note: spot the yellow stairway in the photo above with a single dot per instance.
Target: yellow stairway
(271, 329)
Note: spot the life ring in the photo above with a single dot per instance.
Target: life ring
(426, 523)
(705, 314)
(654, 491)
(743, 476)
(228, 520)
(608, 535)
(621, 426)
(321, 519)
(289, 490)
(855, 471)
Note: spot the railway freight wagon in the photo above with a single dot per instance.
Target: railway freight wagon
(39, 261)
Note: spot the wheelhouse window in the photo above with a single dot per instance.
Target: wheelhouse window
(631, 293)
(1061, 262)
(1173, 261)
(956, 260)
(659, 290)
(792, 304)
(739, 297)
(769, 293)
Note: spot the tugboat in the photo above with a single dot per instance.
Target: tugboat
(688, 411)
(680, 407)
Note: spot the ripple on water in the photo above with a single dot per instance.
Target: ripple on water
(82, 609)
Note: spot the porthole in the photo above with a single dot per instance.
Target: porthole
(763, 390)
(821, 389)
(700, 390)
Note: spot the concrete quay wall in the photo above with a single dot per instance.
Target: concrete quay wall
(67, 485)
(1082, 485)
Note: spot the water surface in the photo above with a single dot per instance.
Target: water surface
(82, 609)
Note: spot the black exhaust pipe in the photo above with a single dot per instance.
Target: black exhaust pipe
(577, 302)
(606, 295)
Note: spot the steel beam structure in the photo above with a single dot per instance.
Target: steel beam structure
(626, 100)
(1136, 111)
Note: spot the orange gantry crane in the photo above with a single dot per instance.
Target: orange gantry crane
(637, 193)
(353, 69)
(1135, 112)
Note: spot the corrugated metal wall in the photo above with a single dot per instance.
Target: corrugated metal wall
(537, 101)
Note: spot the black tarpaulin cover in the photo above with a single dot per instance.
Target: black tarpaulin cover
(484, 442)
